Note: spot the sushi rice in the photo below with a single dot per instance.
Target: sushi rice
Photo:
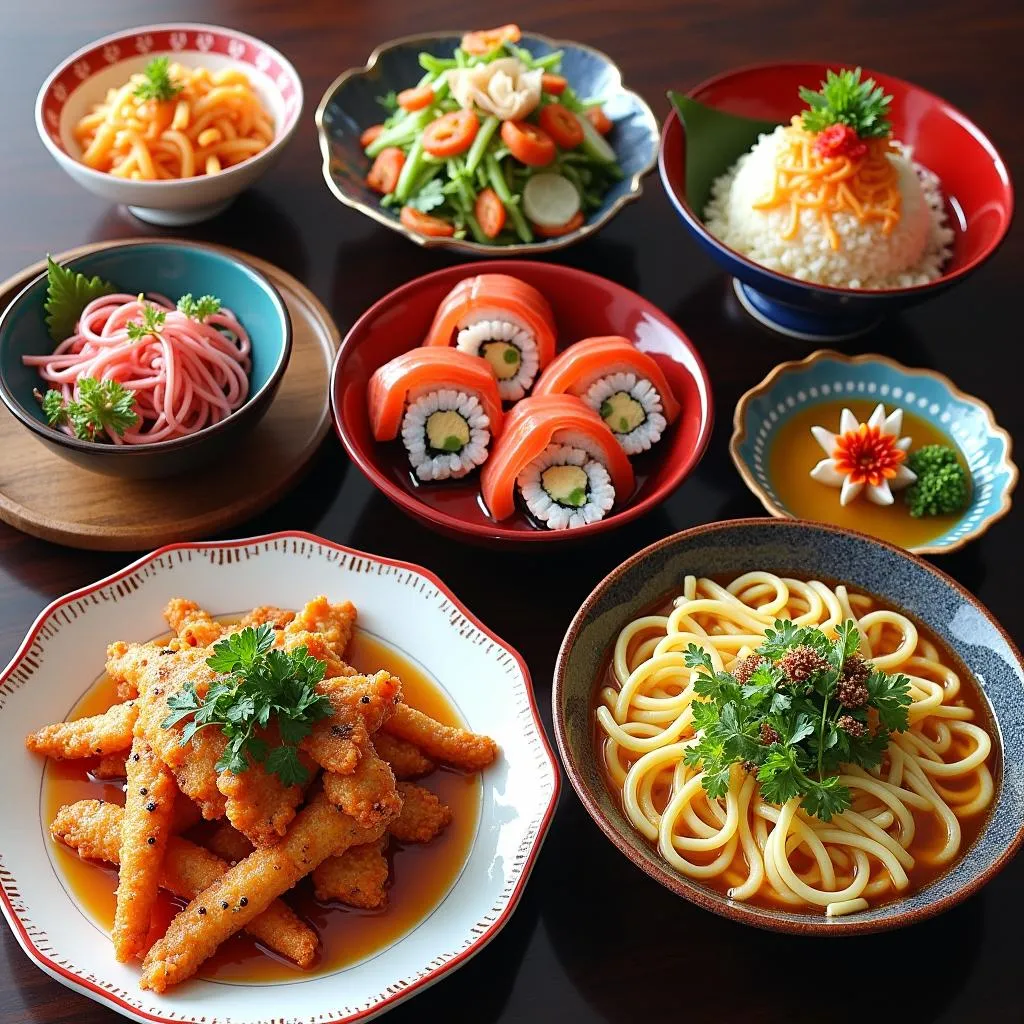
(508, 346)
(445, 433)
(631, 407)
(566, 487)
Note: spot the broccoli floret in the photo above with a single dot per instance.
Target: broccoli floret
(942, 486)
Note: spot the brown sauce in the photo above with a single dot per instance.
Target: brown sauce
(420, 878)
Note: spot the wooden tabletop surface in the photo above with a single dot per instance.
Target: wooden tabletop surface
(593, 939)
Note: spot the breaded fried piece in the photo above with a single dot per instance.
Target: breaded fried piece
(145, 828)
(265, 614)
(368, 794)
(110, 766)
(93, 828)
(194, 625)
(318, 647)
(227, 842)
(423, 816)
(457, 747)
(407, 760)
(360, 704)
(247, 889)
(98, 734)
(334, 622)
(357, 878)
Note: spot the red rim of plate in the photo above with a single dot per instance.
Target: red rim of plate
(493, 530)
(687, 211)
(94, 989)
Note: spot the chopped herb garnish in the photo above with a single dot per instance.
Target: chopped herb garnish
(198, 309)
(157, 83)
(67, 294)
(100, 406)
(429, 197)
(152, 322)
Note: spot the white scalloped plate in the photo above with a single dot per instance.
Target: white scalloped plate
(408, 608)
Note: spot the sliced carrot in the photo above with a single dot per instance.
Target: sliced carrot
(370, 135)
(561, 124)
(486, 41)
(599, 119)
(383, 176)
(554, 85)
(560, 229)
(529, 144)
(490, 213)
(424, 224)
(416, 99)
(451, 134)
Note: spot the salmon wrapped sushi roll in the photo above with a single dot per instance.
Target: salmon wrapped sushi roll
(446, 405)
(625, 386)
(562, 460)
(503, 320)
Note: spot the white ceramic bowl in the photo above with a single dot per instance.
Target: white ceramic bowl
(84, 78)
(411, 611)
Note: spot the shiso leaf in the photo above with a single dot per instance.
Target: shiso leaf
(67, 294)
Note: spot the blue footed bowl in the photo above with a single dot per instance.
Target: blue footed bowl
(822, 552)
(350, 106)
(826, 376)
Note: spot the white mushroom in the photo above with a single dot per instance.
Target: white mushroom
(505, 88)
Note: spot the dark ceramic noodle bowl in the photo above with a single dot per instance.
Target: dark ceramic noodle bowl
(807, 550)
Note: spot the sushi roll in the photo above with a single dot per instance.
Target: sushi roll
(561, 460)
(625, 386)
(504, 321)
(444, 403)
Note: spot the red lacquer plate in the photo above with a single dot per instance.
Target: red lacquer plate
(584, 306)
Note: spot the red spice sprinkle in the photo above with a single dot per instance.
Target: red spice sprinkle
(839, 140)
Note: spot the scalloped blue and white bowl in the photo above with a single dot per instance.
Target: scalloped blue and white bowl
(349, 106)
(827, 375)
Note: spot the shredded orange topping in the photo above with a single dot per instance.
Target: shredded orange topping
(867, 455)
(867, 187)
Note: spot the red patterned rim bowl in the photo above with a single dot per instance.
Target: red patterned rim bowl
(411, 611)
(84, 78)
(584, 306)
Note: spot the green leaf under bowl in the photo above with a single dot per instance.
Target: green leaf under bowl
(715, 140)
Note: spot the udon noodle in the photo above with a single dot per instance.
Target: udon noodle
(906, 815)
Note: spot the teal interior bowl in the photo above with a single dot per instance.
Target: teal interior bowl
(171, 269)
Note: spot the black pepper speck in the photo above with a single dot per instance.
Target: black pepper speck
(365, 699)
(202, 910)
(244, 901)
(224, 904)
(143, 791)
(151, 840)
(151, 806)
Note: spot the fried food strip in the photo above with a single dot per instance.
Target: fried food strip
(457, 747)
(368, 794)
(423, 816)
(194, 625)
(109, 766)
(316, 644)
(406, 759)
(247, 889)
(266, 614)
(93, 828)
(334, 622)
(85, 737)
(227, 842)
(145, 828)
(360, 704)
(357, 878)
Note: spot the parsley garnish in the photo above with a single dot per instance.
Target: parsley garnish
(157, 84)
(198, 309)
(797, 710)
(429, 197)
(845, 99)
(67, 294)
(152, 322)
(259, 686)
(100, 405)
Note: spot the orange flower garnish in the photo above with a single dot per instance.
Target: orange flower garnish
(867, 455)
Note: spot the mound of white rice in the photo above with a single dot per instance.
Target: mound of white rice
(913, 253)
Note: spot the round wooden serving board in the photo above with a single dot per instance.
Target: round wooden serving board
(46, 496)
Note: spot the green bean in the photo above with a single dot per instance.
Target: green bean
(511, 206)
(461, 58)
(481, 142)
(401, 134)
(548, 61)
(437, 64)
(428, 172)
(410, 171)
(570, 172)
(475, 229)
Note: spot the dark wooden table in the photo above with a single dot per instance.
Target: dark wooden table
(593, 939)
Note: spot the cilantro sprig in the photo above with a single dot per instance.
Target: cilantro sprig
(794, 712)
(100, 405)
(198, 309)
(844, 99)
(151, 322)
(157, 83)
(259, 686)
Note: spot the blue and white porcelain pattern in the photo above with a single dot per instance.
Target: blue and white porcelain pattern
(826, 376)
(350, 106)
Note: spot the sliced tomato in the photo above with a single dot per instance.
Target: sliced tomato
(424, 224)
(370, 135)
(529, 144)
(416, 99)
(560, 229)
(599, 119)
(384, 173)
(451, 134)
(487, 40)
(561, 124)
(554, 85)
(490, 213)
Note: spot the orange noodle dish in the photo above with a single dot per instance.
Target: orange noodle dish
(132, 369)
(833, 198)
(171, 121)
(794, 744)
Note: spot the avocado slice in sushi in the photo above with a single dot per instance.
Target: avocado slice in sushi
(622, 412)
(504, 358)
(447, 431)
(567, 485)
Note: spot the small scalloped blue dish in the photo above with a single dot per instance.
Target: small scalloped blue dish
(826, 376)
(349, 106)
